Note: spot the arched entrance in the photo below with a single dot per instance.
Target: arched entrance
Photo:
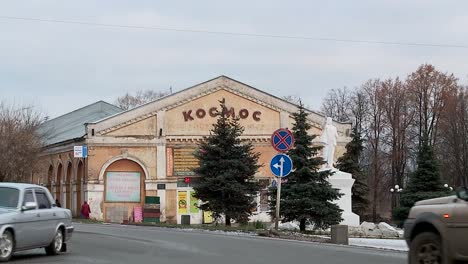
(58, 184)
(68, 186)
(79, 188)
(124, 188)
(50, 178)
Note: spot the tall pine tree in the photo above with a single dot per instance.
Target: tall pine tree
(307, 197)
(425, 182)
(349, 162)
(227, 168)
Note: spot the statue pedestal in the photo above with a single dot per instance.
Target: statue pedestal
(344, 181)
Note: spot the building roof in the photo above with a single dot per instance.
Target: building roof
(72, 125)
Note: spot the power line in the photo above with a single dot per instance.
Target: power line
(395, 43)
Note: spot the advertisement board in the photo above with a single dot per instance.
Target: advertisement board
(184, 161)
(123, 187)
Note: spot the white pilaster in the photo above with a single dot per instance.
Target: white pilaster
(95, 195)
(162, 200)
(284, 120)
(161, 146)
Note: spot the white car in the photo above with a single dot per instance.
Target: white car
(30, 219)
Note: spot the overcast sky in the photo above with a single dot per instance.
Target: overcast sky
(60, 67)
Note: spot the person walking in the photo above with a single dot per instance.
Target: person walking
(85, 210)
(57, 202)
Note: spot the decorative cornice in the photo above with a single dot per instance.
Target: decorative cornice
(126, 123)
(184, 139)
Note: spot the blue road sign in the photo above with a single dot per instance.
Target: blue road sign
(274, 183)
(282, 140)
(80, 151)
(281, 165)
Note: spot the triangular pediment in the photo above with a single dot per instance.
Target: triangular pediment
(207, 93)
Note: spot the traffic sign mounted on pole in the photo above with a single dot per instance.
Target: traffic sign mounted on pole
(282, 140)
(274, 183)
(281, 165)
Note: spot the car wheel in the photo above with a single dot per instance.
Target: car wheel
(7, 244)
(426, 248)
(56, 245)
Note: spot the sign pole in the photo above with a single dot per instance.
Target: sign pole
(278, 197)
(278, 191)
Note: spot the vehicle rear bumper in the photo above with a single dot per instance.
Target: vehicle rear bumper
(69, 232)
(408, 227)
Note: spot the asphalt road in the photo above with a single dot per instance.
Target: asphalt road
(130, 244)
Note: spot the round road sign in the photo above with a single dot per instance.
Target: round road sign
(281, 165)
(282, 140)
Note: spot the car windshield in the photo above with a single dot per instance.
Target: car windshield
(9, 197)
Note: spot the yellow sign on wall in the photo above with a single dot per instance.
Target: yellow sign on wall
(182, 202)
(207, 217)
(193, 203)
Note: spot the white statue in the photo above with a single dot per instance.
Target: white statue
(329, 138)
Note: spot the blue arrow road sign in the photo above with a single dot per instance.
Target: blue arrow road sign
(281, 165)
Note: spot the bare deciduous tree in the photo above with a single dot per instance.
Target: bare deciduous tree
(393, 116)
(359, 110)
(20, 142)
(428, 89)
(399, 117)
(375, 119)
(453, 153)
(337, 105)
(129, 101)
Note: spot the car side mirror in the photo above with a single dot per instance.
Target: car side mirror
(29, 206)
(462, 193)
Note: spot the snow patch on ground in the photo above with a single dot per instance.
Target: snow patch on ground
(394, 244)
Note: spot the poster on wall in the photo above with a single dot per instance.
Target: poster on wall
(182, 202)
(193, 203)
(137, 214)
(184, 161)
(123, 187)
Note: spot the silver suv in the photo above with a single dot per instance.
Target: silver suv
(437, 230)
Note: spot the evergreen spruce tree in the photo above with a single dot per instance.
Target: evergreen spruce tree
(349, 162)
(425, 182)
(307, 197)
(227, 168)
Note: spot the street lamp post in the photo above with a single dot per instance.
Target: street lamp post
(448, 187)
(396, 190)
